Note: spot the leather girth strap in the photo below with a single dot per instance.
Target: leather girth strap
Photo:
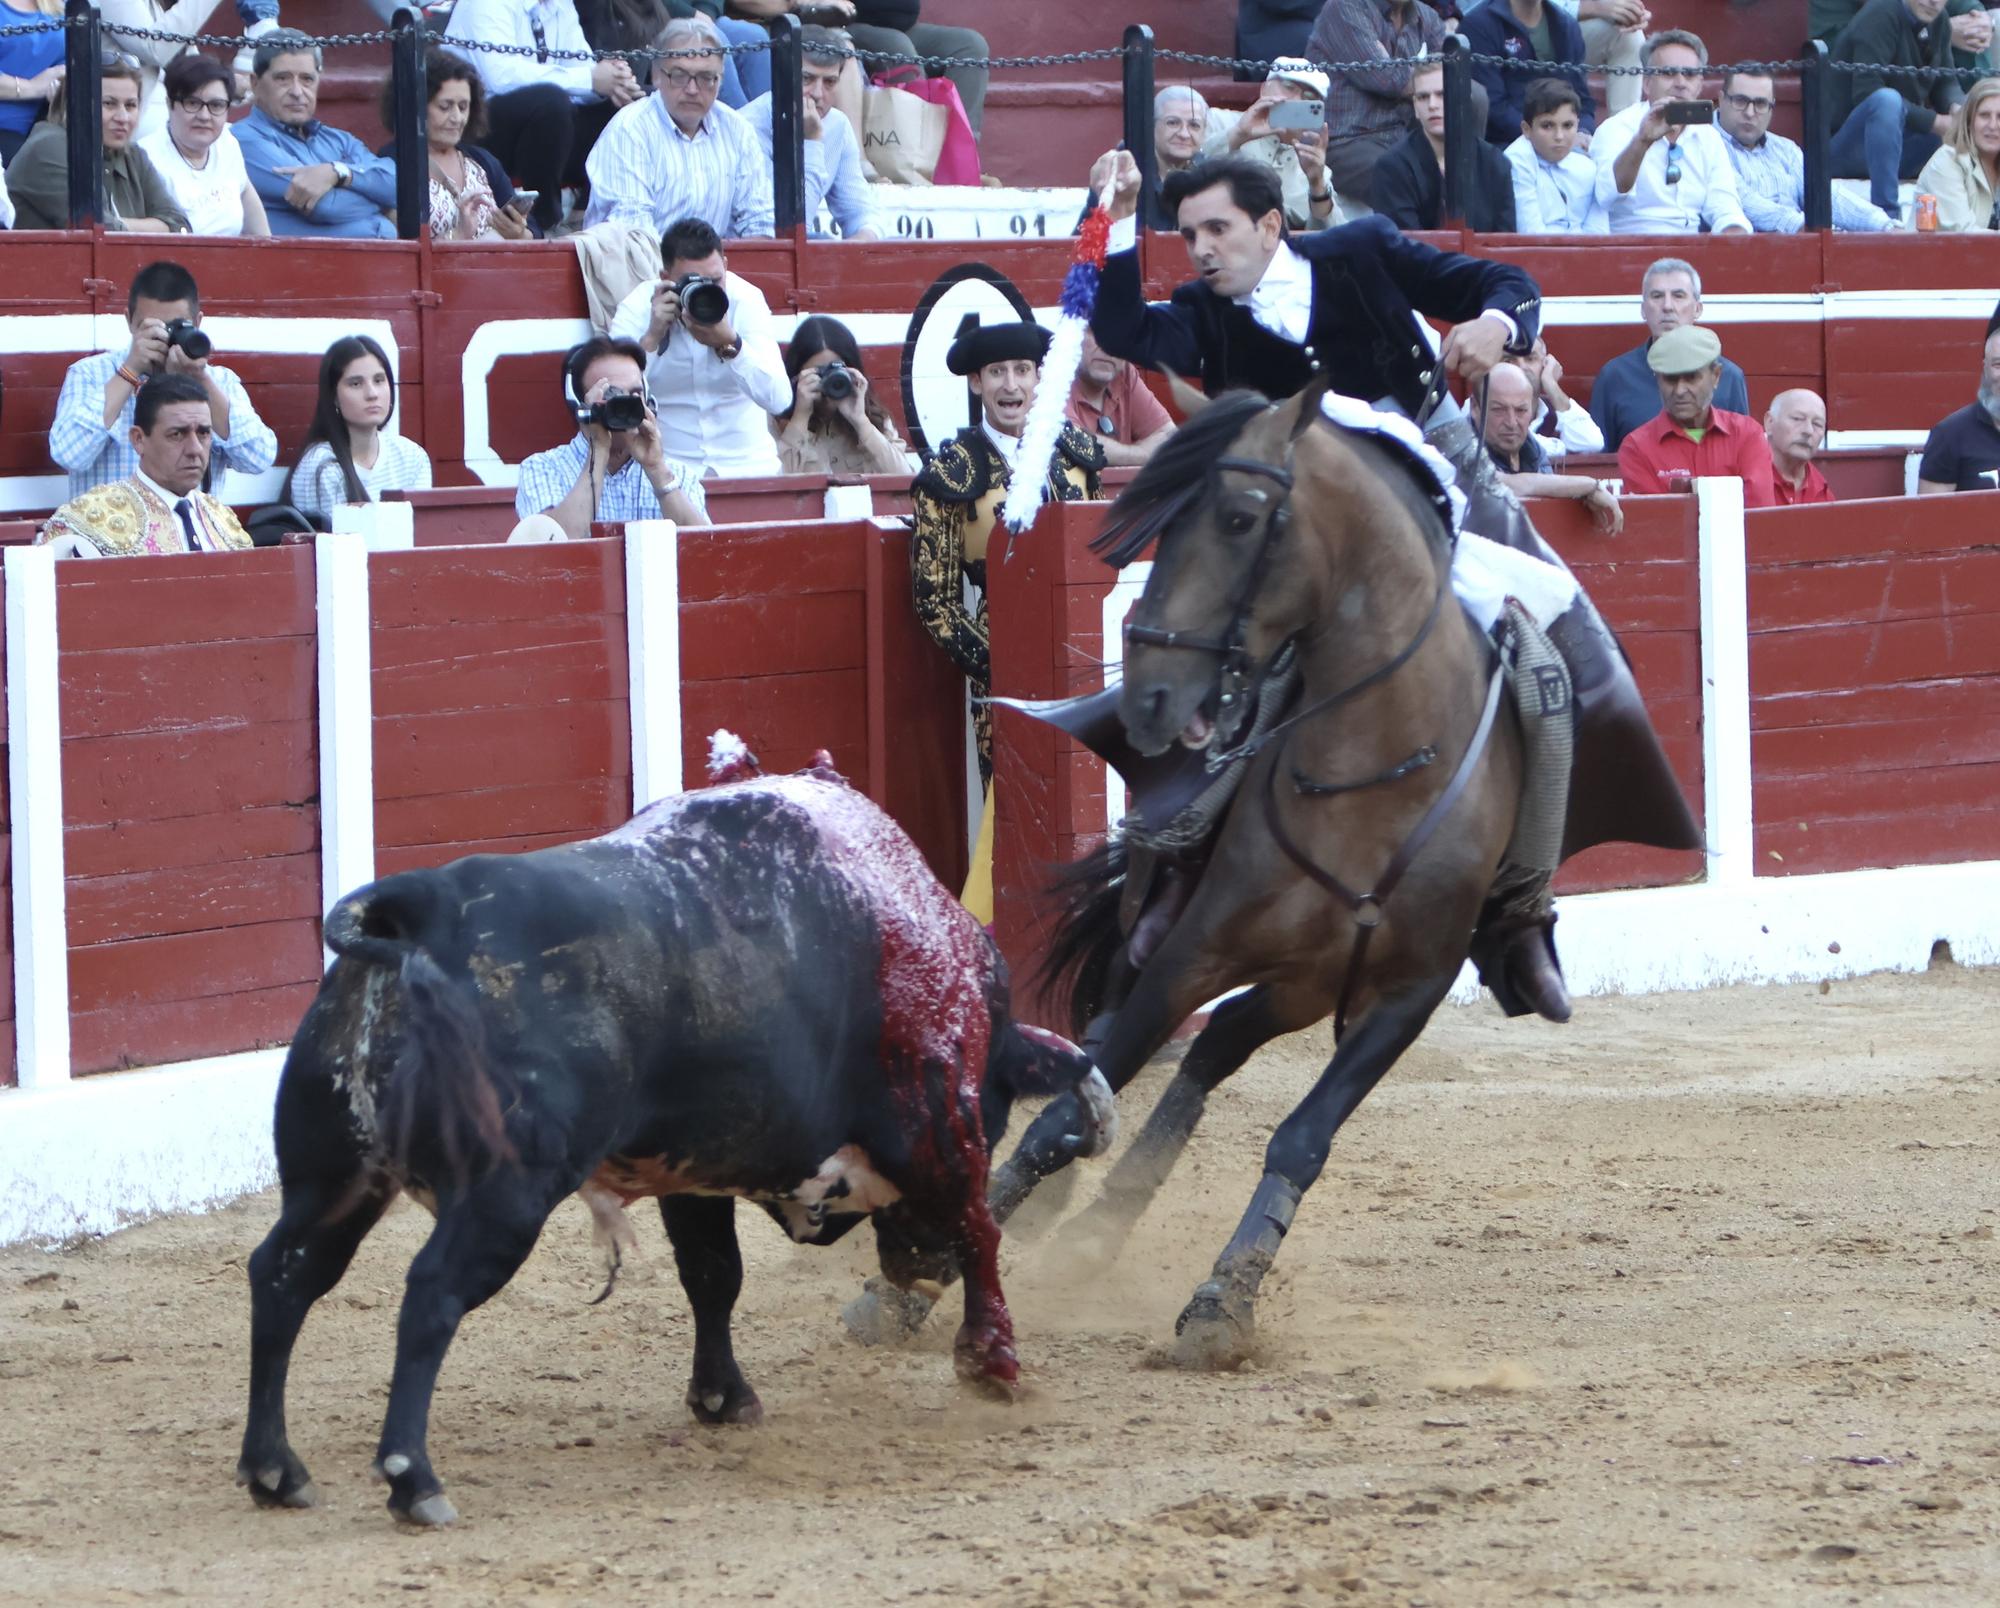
(1367, 908)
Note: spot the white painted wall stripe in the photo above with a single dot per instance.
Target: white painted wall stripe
(346, 718)
(1119, 602)
(1725, 682)
(653, 651)
(34, 775)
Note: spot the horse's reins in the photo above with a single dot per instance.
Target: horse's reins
(1366, 908)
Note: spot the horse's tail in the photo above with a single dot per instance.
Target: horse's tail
(1087, 934)
(439, 1106)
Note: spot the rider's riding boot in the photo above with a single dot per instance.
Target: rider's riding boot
(1514, 947)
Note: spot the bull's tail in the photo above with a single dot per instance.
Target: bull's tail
(439, 1108)
(1088, 934)
(1034, 1061)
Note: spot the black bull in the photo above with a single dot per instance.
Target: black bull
(758, 989)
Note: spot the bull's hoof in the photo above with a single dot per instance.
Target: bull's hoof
(1214, 1332)
(279, 1485)
(735, 1404)
(431, 1512)
(882, 1315)
(985, 1358)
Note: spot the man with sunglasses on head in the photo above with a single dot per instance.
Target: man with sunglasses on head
(1658, 173)
(677, 154)
(1771, 170)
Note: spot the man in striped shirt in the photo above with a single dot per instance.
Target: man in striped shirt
(677, 154)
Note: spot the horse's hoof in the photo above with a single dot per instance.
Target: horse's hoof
(279, 1487)
(431, 1512)
(882, 1315)
(985, 1359)
(735, 1405)
(1214, 1333)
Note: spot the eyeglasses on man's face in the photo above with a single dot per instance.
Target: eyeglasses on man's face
(680, 78)
(1755, 105)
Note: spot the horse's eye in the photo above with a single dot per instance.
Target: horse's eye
(1239, 521)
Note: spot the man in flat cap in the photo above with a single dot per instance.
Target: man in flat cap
(956, 496)
(1691, 436)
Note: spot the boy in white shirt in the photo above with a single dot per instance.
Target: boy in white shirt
(1555, 184)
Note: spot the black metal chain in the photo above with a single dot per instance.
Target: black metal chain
(890, 58)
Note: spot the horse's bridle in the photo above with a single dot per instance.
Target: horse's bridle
(1367, 908)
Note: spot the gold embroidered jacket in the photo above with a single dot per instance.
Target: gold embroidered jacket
(125, 517)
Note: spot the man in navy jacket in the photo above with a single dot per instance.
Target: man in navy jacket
(1507, 28)
(1271, 310)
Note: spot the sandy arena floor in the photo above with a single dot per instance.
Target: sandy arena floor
(1693, 1299)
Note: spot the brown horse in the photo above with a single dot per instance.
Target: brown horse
(1349, 873)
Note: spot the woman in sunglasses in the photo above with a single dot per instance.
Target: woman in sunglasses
(136, 198)
(198, 156)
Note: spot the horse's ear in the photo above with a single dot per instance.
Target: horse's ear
(1186, 397)
(1308, 401)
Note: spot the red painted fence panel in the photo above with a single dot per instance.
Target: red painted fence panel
(7, 1073)
(1875, 683)
(501, 708)
(190, 782)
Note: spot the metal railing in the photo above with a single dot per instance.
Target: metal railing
(408, 38)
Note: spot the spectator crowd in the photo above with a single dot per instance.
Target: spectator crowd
(562, 117)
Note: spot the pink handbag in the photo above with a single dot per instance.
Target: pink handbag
(958, 161)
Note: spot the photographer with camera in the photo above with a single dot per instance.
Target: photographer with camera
(91, 436)
(614, 468)
(1661, 167)
(835, 425)
(714, 363)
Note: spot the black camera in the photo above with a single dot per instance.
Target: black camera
(617, 411)
(703, 299)
(187, 335)
(836, 381)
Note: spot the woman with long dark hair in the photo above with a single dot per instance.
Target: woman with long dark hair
(351, 455)
(471, 196)
(834, 425)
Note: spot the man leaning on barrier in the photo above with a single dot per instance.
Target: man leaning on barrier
(1962, 452)
(313, 178)
(1690, 435)
(1795, 427)
(613, 469)
(834, 178)
(677, 154)
(92, 433)
(159, 506)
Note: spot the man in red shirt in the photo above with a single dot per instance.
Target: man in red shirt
(1690, 435)
(1112, 405)
(1795, 427)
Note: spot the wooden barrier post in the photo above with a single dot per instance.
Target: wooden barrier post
(346, 719)
(406, 72)
(1725, 682)
(653, 642)
(34, 754)
(850, 502)
(1462, 135)
(83, 45)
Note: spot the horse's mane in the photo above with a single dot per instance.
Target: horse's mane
(1174, 477)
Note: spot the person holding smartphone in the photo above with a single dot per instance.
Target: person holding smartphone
(1285, 131)
(1661, 167)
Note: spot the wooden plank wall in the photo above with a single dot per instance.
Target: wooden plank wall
(502, 720)
(7, 1073)
(190, 782)
(1646, 582)
(1875, 683)
(777, 622)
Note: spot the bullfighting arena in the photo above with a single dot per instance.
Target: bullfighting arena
(1693, 1297)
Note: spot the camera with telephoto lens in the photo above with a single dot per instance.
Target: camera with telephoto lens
(187, 335)
(836, 381)
(617, 411)
(703, 299)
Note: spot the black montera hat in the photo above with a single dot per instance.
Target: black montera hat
(979, 344)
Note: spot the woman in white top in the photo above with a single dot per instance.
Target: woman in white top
(198, 156)
(349, 456)
(1964, 172)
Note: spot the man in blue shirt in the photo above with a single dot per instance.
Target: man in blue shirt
(834, 176)
(1626, 394)
(314, 180)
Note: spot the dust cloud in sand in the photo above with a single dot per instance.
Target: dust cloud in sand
(1696, 1295)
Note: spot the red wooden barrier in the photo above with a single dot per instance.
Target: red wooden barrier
(1875, 683)
(7, 1075)
(501, 710)
(804, 637)
(190, 782)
